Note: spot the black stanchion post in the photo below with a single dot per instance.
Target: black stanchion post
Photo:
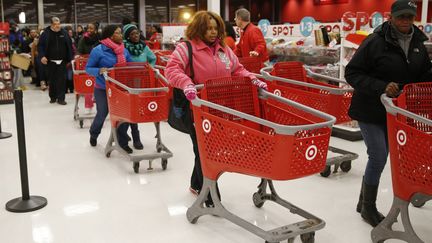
(4, 134)
(26, 203)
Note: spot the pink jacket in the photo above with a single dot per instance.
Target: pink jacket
(224, 63)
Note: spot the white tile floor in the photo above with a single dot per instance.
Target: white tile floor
(93, 199)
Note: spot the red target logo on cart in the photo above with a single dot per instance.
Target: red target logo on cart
(88, 83)
(401, 137)
(109, 92)
(277, 92)
(152, 106)
(206, 125)
(311, 152)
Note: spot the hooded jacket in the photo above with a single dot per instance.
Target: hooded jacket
(379, 61)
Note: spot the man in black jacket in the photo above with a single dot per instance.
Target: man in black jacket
(55, 48)
(392, 56)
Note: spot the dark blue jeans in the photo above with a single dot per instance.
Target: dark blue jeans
(101, 114)
(375, 138)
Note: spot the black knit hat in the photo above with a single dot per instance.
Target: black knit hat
(401, 7)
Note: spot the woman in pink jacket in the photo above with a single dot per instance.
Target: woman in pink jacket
(211, 59)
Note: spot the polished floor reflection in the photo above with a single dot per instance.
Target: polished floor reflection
(94, 199)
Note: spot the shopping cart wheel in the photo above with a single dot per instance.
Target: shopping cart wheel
(257, 200)
(418, 204)
(326, 172)
(164, 164)
(346, 166)
(108, 154)
(81, 123)
(136, 166)
(271, 241)
(308, 237)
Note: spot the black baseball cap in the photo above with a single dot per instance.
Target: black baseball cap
(401, 7)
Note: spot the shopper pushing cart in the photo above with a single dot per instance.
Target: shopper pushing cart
(392, 56)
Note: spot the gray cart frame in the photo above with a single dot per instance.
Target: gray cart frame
(162, 152)
(384, 230)
(306, 228)
(346, 157)
(80, 117)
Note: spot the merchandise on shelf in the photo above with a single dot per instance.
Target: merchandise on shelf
(6, 86)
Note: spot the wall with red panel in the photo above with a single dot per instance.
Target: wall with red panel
(293, 11)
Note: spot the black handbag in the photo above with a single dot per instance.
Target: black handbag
(180, 114)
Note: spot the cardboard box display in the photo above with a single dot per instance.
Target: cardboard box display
(20, 61)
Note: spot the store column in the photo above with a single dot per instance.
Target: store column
(214, 6)
(142, 16)
(424, 15)
(41, 20)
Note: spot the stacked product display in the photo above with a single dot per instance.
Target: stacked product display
(6, 86)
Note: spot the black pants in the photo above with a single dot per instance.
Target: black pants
(56, 76)
(197, 175)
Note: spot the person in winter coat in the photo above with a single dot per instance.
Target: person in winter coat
(392, 56)
(140, 52)
(252, 41)
(55, 50)
(89, 40)
(110, 52)
(206, 34)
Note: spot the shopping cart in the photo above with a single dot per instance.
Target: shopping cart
(136, 94)
(290, 80)
(409, 129)
(265, 136)
(83, 85)
(162, 57)
(252, 64)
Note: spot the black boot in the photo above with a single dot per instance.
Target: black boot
(360, 201)
(369, 211)
(136, 137)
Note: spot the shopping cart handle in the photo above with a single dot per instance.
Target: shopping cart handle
(278, 128)
(394, 110)
(134, 90)
(269, 77)
(313, 74)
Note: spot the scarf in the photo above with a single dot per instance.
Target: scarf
(135, 49)
(118, 49)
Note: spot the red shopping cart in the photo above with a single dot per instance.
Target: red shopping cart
(136, 94)
(162, 57)
(83, 85)
(263, 135)
(291, 80)
(409, 128)
(252, 64)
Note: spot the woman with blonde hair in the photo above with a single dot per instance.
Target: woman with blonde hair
(211, 59)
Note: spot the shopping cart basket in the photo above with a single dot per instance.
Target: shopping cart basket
(409, 129)
(290, 80)
(265, 136)
(162, 58)
(83, 85)
(137, 95)
(252, 64)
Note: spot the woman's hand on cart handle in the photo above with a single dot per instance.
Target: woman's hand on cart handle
(260, 84)
(190, 92)
(103, 70)
(392, 89)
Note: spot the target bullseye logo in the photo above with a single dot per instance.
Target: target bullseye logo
(311, 152)
(277, 92)
(88, 83)
(401, 137)
(152, 106)
(206, 125)
(109, 92)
